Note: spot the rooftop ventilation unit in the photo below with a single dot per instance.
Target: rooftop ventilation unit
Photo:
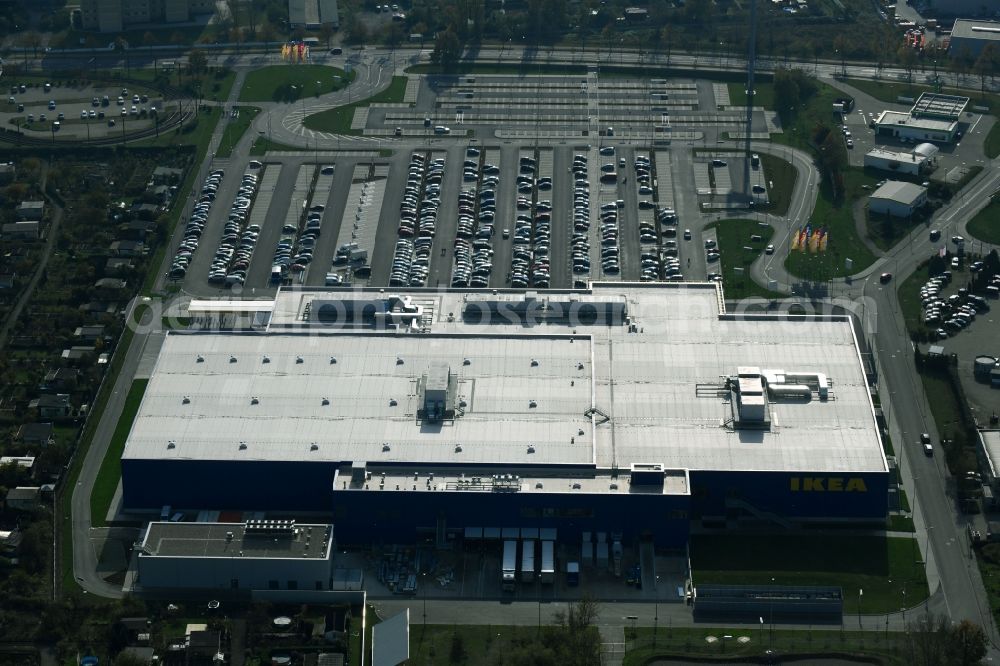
(439, 388)
(749, 404)
(269, 528)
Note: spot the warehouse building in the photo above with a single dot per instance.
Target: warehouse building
(897, 198)
(632, 408)
(969, 37)
(255, 555)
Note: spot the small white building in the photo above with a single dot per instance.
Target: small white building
(897, 198)
(897, 161)
(255, 555)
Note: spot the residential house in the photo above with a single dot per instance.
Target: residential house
(135, 229)
(100, 307)
(24, 462)
(90, 333)
(145, 211)
(36, 434)
(330, 659)
(127, 248)
(23, 498)
(78, 354)
(167, 176)
(337, 623)
(60, 380)
(8, 172)
(117, 266)
(25, 230)
(30, 210)
(52, 406)
(10, 541)
(136, 629)
(109, 287)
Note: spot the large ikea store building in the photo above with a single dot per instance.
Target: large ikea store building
(634, 408)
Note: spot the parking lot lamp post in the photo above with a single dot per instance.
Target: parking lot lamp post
(656, 608)
(904, 606)
(423, 586)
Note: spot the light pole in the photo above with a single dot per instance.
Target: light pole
(860, 594)
(656, 608)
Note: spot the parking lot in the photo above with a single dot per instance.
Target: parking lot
(463, 215)
(80, 112)
(565, 179)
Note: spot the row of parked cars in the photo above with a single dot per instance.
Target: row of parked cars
(532, 230)
(580, 240)
(950, 314)
(195, 226)
(232, 258)
(473, 263)
(295, 247)
(417, 222)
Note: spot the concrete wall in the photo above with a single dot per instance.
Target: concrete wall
(233, 573)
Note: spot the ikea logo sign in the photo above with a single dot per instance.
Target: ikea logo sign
(828, 484)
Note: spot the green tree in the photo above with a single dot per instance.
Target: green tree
(326, 33)
(458, 653)
(197, 62)
(907, 58)
(786, 93)
(447, 49)
(985, 66)
(935, 641)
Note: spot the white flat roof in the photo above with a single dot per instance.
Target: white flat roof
(904, 119)
(991, 445)
(210, 540)
(899, 191)
(898, 155)
(655, 390)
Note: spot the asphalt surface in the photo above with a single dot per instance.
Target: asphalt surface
(953, 576)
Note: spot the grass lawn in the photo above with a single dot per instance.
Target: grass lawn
(835, 215)
(782, 176)
(985, 226)
(288, 83)
(885, 231)
(339, 119)
(111, 467)
(431, 644)
(733, 236)
(235, 129)
(992, 144)
(844, 242)
(694, 642)
(901, 524)
(851, 562)
(798, 130)
(261, 145)
(909, 298)
(889, 90)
